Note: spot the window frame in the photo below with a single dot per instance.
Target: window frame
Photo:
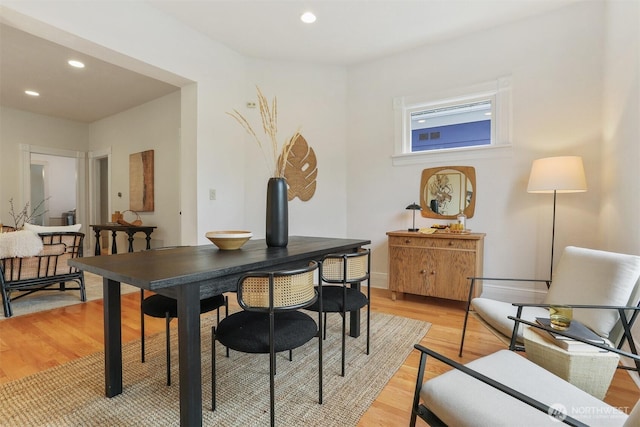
(497, 91)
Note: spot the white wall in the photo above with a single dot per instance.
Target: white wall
(19, 127)
(311, 98)
(151, 126)
(555, 61)
(619, 229)
(61, 177)
(620, 203)
(171, 52)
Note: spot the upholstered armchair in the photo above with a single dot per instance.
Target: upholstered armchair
(598, 284)
(506, 389)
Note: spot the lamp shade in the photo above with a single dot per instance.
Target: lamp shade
(414, 207)
(560, 174)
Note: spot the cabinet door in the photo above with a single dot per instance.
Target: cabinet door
(408, 270)
(449, 272)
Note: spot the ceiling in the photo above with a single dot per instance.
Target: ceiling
(346, 33)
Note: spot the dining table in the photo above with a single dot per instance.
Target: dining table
(188, 274)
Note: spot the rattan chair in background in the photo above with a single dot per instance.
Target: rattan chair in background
(161, 306)
(345, 274)
(271, 320)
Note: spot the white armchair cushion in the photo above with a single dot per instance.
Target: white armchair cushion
(588, 276)
(460, 400)
(634, 416)
(495, 314)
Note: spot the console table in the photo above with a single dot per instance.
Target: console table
(129, 229)
(435, 265)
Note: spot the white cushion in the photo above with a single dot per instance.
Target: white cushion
(460, 400)
(52, 229)
(495, 314)
(589, 276)
(634, 416)
(23, 243)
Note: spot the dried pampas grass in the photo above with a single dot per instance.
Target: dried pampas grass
(269, 116)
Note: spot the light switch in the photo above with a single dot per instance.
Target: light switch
(212, 194)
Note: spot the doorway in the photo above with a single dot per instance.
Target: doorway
(39, 194)
(53, 200)
(56, 179)
(100, 203)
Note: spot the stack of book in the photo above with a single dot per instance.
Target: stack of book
(576, 329)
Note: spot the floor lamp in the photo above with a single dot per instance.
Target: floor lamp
(557, 175)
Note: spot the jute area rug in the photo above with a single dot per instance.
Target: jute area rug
(73, 394)
(46, 300)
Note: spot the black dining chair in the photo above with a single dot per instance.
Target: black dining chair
(161, 306)
(345, 273)
(271, 320)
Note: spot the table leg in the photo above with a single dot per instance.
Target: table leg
(97, 249)
(114, 246)
(148, 233)
(189, 354)
(112, 338)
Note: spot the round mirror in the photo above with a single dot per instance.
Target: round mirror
(446, 191)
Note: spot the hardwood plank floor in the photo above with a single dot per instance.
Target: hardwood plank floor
(39, 341)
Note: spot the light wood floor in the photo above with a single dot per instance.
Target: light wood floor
(39, 341)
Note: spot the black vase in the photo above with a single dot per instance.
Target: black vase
(277, 229)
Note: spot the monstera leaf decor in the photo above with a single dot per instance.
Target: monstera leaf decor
(301, 170)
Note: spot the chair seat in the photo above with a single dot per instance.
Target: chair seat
(248, 331)
(495, 314)
(332, 300)
(159, 305)
(453, 396)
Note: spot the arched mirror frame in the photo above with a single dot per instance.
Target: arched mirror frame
(467, 171)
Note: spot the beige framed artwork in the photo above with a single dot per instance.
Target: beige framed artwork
(141, 181)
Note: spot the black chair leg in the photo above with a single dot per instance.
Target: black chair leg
(213, 368)
(272, 385)
(168, 320)
(141, 336)
(344, 333)
(368, 325)
(325, 326)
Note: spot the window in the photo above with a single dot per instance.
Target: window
(454, 126)
(460, 121)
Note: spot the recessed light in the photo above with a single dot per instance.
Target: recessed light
(76, 64)
(421, 121)
(308, 18)
(487, 114)
(31, 93)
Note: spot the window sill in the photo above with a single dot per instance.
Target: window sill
(454, 154)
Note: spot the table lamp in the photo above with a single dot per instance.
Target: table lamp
(414, 207)
(557, 175)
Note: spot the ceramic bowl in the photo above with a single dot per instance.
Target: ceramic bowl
(229, 240)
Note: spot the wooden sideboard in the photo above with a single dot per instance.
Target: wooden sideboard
(435, 265)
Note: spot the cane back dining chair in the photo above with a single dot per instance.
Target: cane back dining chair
(602, 283)
(345, 273)
(271, 320)
(161, 306)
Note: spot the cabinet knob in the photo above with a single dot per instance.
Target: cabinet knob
(451, 243)
(423, 271)
(407, 241)
(433, 272)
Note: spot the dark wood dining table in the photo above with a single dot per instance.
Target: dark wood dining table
(189, 274)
